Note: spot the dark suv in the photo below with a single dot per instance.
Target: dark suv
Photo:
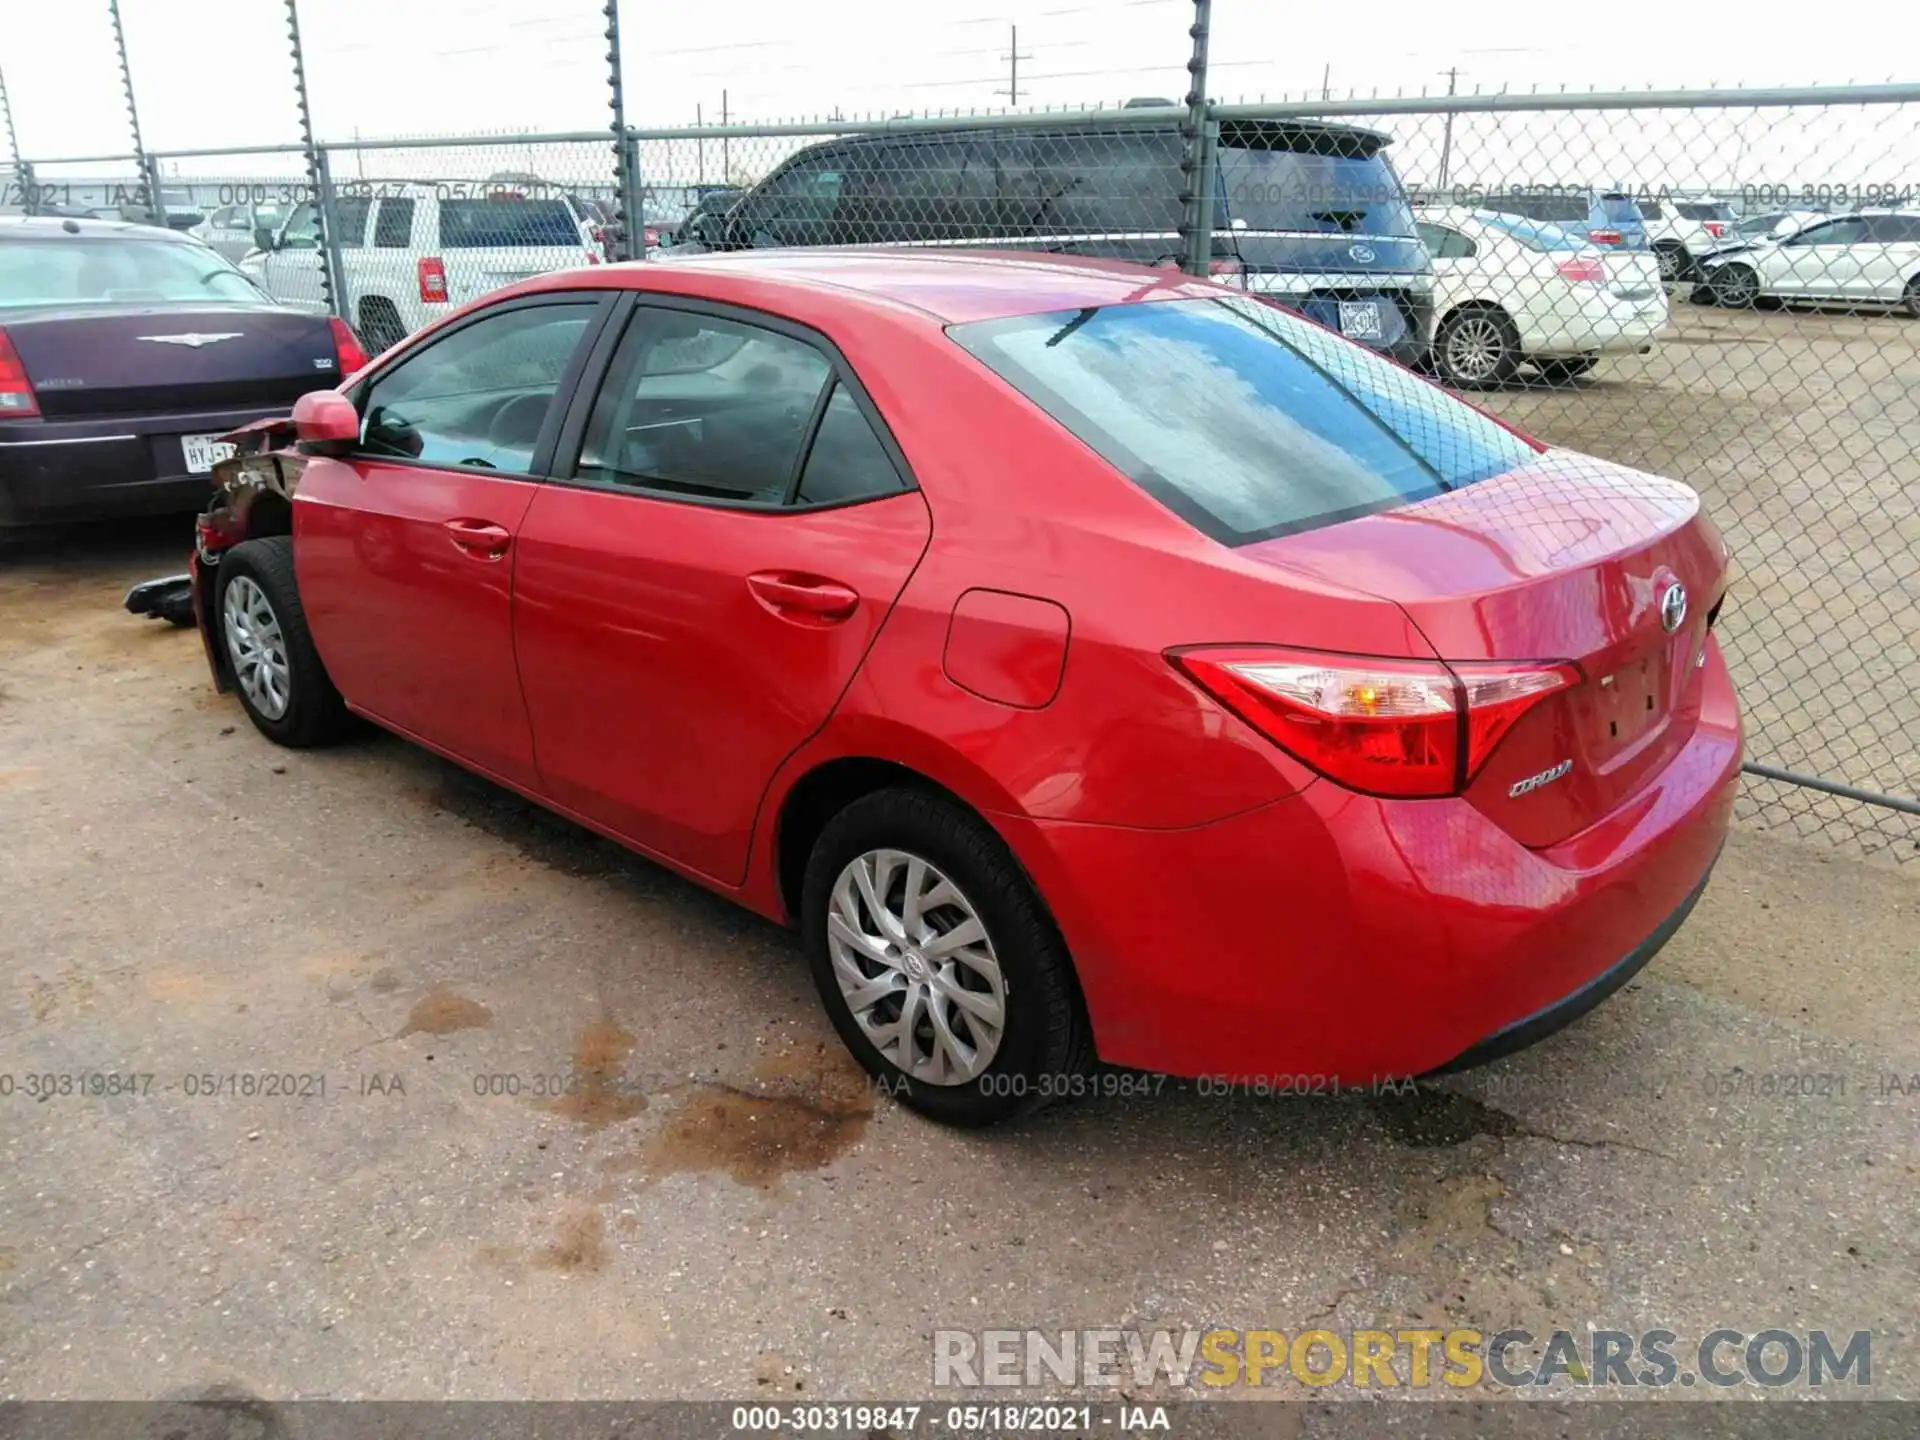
(1310, 215)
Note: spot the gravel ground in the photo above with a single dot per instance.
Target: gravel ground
(720, 1207)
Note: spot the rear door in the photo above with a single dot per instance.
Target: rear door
(405, 548)
(693, 597)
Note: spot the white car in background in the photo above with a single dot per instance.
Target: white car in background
(234, 231)
(1680, 231)
(1510, 291)
(410, 253)
(1868, 258)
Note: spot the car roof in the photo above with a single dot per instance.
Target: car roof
(951, 286)
(59, 226)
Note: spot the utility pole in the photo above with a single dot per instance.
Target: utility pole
(699, 146)
(1326, 81)
(1013, 57)
(1446, 132)
(726, 172)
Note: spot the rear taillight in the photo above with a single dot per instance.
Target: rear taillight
(1583, 270)
(433, 280)
(16, 391)
(1605, 237)
(1407, 729)
(346, 347)
(1715, 228)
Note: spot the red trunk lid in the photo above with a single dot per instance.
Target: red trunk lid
(1566, 558)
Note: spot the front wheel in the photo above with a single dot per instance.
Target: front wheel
(938, 963)
(1737, 287)
(283, 686)
(1475, 349)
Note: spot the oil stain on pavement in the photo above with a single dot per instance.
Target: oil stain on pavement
(442, 1011)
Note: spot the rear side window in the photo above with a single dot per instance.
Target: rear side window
(1537, 235)
(1245, 422)
(702, 407)
(1620, 209)
(505, 224)
(1699, 210)
(1651, 210)
(1088, 184)
(350, 219)
(1445, 244)
(1315, 193)
(393, 226)
(847, 461)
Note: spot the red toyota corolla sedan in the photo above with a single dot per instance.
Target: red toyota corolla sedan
(1091, 661)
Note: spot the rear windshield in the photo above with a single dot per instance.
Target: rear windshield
(1317, 194)
(502, 224)
(114, 271)
(1620, 209)
(1246, 422)
(1536, 234)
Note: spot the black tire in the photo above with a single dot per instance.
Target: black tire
(1476, 348)
(1674, 261)
(1735, 287)
(1559, 372)
(1912, 297)
(314, 713)
(380, 326)
(1045, 1043)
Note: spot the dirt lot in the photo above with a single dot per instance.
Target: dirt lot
(719, 1206)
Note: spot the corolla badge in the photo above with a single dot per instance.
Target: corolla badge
(193, 339)
(1534, 782)
(1360, 254)
(1673, 607)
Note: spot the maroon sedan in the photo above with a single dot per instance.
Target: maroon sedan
(1089, 660)
(126, 352)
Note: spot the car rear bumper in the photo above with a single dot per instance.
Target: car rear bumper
(1336, 938)
(1602, 326)
(105, 467)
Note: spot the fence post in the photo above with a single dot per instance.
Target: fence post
(1202, 135)
(319, 183)
(151, 196)
(333, 274)
(625, 149)
(21, 176)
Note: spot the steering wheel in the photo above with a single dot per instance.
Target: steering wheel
(516, 424)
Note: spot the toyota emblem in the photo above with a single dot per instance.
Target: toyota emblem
(1673, 607)
(1360, 254)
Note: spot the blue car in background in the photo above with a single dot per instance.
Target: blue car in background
(1608, 218)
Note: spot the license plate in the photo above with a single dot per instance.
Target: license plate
(1360, 319)
(203, 452)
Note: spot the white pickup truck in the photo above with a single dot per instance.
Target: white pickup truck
(409, 253)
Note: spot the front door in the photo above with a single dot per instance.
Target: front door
(1824, 262)
(404, 549)
(690, 605)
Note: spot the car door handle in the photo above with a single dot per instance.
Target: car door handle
(479, 537)
(790, 593)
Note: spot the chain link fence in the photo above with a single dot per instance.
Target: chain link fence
(1723, 288)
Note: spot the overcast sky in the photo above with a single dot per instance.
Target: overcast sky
(216, 72)
(212, 72)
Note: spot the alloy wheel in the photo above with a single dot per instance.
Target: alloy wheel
(256, 647)
(1475, 349)
(1736, 287)
(916, 966)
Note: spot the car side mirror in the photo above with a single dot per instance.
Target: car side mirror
(263, 237)
(325, 422)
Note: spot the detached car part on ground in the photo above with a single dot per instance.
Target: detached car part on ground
(1304, 725)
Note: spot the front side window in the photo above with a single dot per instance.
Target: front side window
(795, 206)
(111, 270)
(1244, 421)
(302, 230)
(480, 396)
(703, 407)
(1850, 231)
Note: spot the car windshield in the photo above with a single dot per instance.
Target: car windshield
(1246, 422)
(1292, 191)
(1535, 234)
(501, 224)
(111, 270)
